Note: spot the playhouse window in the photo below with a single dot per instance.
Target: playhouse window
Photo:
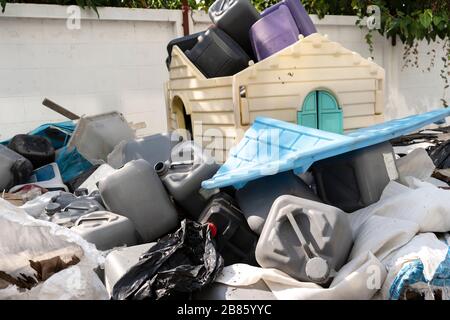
(320, 110)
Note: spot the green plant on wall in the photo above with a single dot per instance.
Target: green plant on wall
(401, 20)
(412, 22)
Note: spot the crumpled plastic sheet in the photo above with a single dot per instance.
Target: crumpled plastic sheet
(37, 206)
(24, 238)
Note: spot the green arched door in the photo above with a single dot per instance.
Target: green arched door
(320, 110)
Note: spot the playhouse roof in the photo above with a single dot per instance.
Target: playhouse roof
(271, 146)
(314, 44)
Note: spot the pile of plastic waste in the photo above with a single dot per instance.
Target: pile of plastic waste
(357, 216)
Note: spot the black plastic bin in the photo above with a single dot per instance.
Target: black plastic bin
(217, 55)
(184, 43)
(234, 239)
(37, 149)
(235, 17)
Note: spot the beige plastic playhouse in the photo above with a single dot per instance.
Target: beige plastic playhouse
(314, 82)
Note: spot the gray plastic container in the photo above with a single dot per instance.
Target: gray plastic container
(257, 197)
(184, 174)
(152, 148)
(307, 240)
(235, 17)
(219, 291)
(68, 215)
(136, 192)
(356, 179)
(119, 261)
(14, 168)
(106, 230)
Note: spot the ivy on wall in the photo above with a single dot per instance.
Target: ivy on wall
(407, 21)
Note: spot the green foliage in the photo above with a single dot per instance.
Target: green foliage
(408, 20)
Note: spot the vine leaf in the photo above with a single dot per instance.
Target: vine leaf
(426, 18)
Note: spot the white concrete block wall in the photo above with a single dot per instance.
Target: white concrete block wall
(413, 91)
(113, 63)
(117, 62)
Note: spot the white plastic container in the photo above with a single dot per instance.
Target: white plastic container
(96, 136)
(106, 230)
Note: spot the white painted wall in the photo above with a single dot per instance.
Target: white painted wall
(117, 63)
(112, 63)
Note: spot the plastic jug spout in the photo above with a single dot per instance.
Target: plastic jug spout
(161, 168)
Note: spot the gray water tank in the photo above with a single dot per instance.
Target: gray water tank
(152, 149)
(307, 240)
(106, 230)
(136, 192)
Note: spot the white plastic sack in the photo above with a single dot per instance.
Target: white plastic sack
(24, 238)
(417, 164)
(382, 235)
(426, 247)
(427, 206)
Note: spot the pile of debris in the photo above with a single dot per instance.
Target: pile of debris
(324, 219)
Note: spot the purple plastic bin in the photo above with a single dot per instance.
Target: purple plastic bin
(304, 23)
(274, 32)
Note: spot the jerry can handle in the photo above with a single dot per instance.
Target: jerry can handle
(317, 268)
(108, 218)
(222, 5)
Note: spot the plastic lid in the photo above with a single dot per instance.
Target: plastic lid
(212, 227)
(52, 208)
(317, 269)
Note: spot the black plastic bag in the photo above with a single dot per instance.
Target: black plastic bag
(180, 263)
(441, 155)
